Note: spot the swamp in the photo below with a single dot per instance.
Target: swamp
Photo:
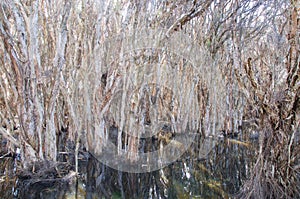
(149, 99)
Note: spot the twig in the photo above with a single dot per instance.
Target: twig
(5, 155)
(8, 136)
(193, 12)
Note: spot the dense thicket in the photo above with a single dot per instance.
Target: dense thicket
(72, 69)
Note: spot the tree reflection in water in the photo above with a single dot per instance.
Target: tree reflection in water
(220, 174)
(202, 172)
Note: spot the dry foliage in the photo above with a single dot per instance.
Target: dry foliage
(71, 69)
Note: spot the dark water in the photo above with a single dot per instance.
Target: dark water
(210, 169)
